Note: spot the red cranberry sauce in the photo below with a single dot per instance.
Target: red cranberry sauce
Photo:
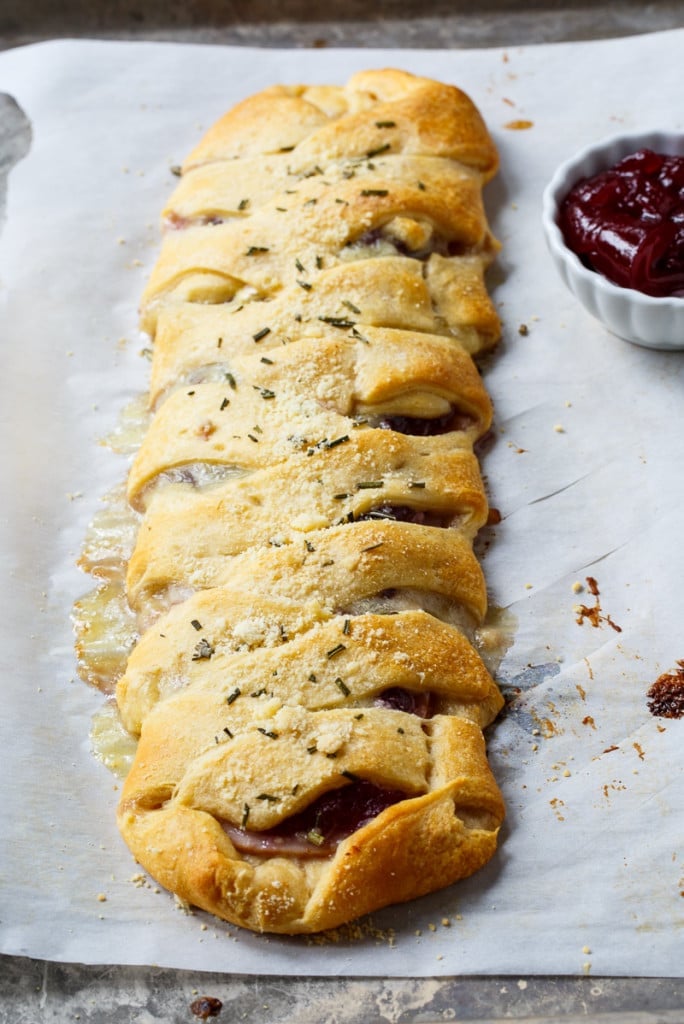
(406, 514)
(627, 223)
(420, 427)
(319, 828)
(413, 703)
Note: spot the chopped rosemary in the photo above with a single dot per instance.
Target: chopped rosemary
(385, 124)
(196, 624)
(319, 262)
(378, 151)
(261, 334)
(359, 337)
(337, 649)
(227, 732)
(264, 392)
(346, 628)
(231, 379)
(336, 441)
(342, 686)
(258, 693)
(336, 321)
(312, 677)
(372, 547)
(300, 266)
(359, 716)
(224, 403)
(350, 775)
(400, 730)
(203, 650)
(219, 343)
(421, 186)
(253, 438)
(310, 202)
(374, 192)
(265, 732)
(233, 696)
(256, 250)
(350, 306)
(417, 484)
(315, 838)
(243, 204)
(305, 285)
(245, 816)
(340, 497)
(269, 797)
(332, 756)
(176, 170)
(312, 749)
(309, 545)
(265, 359)
(367, 485)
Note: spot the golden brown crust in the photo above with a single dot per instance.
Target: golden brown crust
(411, 649)
(322, 225)
(261, 413)
(303, 576)
(362, 476)
(167, 808)
(408, 113)
(387, 292)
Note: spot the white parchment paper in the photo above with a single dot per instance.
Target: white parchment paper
(586, 471)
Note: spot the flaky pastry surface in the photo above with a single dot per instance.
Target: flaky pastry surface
(305, 685)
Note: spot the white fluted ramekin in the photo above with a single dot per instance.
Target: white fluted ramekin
(642, 319)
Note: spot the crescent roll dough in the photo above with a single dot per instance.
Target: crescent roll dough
(305, 684)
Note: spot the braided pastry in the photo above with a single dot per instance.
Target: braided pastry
(306, 686)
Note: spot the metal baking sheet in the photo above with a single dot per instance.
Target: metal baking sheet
(71, 301)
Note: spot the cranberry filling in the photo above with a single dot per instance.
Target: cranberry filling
(399, 699)
(177, 223)
(318, 829)
(627, 223)
(438, 244)
(420, 427)
(406, 514)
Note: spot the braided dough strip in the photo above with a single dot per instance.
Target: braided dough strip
(369, 470)
(168, 808)
(411, 650)
(383, 292)
(309, 393)
(316, 301)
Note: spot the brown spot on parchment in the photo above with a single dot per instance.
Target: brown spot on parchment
(594, 614)
(666, 696)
